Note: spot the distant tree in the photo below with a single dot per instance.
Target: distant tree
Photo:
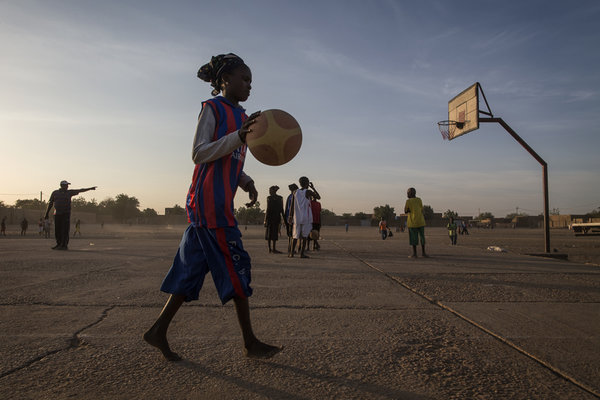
(427, 212)
(361, 215)
(250, 215)
(31, 204)
(80, 204)
(347, 215)
(149, 212)
(450, 213)
(327, 213)
(555, 211)
(386, 212)
(594, 213)
(106, 206)
(125, 208)
(486, 215)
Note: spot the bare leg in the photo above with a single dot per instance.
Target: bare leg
(414, 254)
(253, 347)
(302, 255)
(292, 251)
(275, 251)
(157, 335)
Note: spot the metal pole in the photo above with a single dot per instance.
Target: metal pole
(545, 172)
(546, 210)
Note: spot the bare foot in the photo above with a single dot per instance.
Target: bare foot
(412, 256)
(259, 349)
(160, 342)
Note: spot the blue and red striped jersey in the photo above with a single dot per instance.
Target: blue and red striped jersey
(210, 197)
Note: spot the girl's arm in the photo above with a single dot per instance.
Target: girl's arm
(205, 149)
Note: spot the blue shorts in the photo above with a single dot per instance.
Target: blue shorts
(219, 251)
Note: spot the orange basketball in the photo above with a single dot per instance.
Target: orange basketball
(276, 137)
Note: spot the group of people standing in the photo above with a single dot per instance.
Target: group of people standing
(301, 216)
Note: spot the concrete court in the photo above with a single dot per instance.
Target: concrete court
(359, 320)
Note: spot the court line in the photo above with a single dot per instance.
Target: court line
(495, 335)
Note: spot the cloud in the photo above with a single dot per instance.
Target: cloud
(580, 95)
(334, 62)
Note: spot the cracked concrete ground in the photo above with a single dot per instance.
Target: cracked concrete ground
(359, 320)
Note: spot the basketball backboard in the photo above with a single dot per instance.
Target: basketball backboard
(464, 109)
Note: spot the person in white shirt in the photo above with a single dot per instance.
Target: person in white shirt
(301, 214)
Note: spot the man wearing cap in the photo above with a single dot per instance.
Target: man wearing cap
(61, 200)
(273, 217)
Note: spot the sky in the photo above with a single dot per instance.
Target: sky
(105, 93)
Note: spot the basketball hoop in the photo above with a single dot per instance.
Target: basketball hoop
(447, 128)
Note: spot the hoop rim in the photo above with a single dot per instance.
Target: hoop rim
(447, 128)
(448, 122)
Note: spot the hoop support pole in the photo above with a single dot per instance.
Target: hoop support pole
(545, 173)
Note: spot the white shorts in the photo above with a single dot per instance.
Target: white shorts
(302, 230)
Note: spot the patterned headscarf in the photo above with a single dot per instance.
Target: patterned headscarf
(214, 70)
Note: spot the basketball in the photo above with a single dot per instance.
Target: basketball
(314, 234)
(275, 138)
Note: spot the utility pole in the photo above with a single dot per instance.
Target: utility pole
(517, 211)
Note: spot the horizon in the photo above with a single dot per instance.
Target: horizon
(105, 94)
(517, 211)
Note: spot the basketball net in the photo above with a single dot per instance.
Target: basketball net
(447, 128)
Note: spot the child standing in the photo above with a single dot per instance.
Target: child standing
(415, 222)
(383, 231)
(452, 233)
(212, 242)
(315, 207)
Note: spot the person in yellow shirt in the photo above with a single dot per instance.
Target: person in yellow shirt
(452, 231)
(415, 222)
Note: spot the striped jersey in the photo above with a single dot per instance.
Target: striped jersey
(210, 197)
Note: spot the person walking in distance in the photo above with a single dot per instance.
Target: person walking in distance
(452, 231)
(383, 228)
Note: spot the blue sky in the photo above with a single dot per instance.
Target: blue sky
(105, 93)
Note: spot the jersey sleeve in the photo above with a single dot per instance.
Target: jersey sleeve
(205, 149)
